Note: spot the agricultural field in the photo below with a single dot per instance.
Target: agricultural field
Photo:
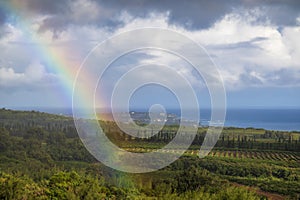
(240, 155)
(41, 157)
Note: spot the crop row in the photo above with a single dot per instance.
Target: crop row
(279, 156)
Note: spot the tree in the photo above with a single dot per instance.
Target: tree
(4, 140)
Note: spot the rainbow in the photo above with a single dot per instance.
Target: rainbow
(61, 62)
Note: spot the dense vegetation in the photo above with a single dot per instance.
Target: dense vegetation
(41, 157)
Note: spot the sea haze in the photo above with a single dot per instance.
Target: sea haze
(271, 119)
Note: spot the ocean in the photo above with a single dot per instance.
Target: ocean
(270, 119)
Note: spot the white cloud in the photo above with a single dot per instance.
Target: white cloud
(8, 76)
(34, 77)
(154, 19)
(291, 40)
(243, 48)
(85, 11)
(248, 52)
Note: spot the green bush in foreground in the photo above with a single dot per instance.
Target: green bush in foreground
(71, 185)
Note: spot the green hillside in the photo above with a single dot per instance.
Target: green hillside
(41, 157)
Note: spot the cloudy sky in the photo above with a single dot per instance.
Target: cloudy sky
(255, 45)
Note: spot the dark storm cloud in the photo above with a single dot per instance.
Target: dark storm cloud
(281, 13)
(32, 7)
(53, 6)
(59, 23)
(44, 6)
(192, 14)
(198, 14)
(3, 17)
